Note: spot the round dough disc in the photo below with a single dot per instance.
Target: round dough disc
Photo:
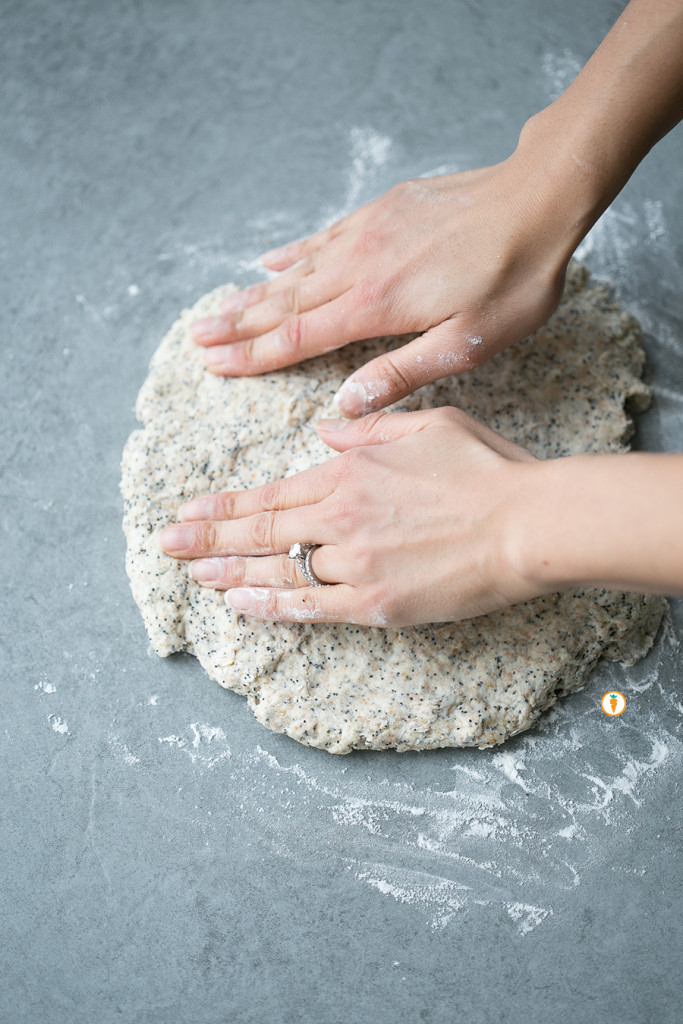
(566, 389)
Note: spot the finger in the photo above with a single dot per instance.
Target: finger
(375, 428)
(208, 330)
(306, 488)
(287, 255)
(307, 604)
(302, 292)
(317, 259)
(264, 289)
(298, 337)
(380, 427)
(444, 350)
(269, 571)
(267, 533)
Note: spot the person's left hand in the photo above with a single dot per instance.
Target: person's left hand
(472, 261)
(412, 522)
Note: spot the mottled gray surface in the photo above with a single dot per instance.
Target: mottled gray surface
(163, 857)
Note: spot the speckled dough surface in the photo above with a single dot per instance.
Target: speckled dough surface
(565, 390)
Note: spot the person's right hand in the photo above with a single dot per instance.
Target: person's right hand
(474, 260)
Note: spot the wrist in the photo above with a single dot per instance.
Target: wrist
(543, 541)
(611, 521)
(572, 187)
(513, 557)
(625, 99)
(566, 531)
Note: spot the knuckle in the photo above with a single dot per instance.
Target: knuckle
(398, 379)
(443, 417)
(262, 529)
(242, 355)
(369, 243)
(234, 571)
(289, 300)
(291, 333)
(369, 426)
(269, 496)
(207, 537)
(373, 420)
(449, 414)
(223, 505)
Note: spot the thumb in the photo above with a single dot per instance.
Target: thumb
(377, 428)
(444, 350)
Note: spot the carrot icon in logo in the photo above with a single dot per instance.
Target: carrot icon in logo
(613, 703)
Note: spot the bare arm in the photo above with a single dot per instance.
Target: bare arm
(475, 260)
(492, 525)
(611, 520)
(626, 98)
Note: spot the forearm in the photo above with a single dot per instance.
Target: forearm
(607, 520)
(629, 95)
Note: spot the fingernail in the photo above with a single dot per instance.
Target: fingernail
(207, 329)
(198, 508)
(358, 397)
(331, 424)
(273, 254)
(245, 599)
(233, 303)
(206, 570)
(219, 357)
(176, 538)
(351, 399)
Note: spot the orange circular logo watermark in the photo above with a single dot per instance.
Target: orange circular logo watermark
(613, 703)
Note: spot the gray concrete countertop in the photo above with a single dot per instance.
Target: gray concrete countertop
(163, 857)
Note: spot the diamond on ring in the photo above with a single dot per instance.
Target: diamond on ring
(302, 554)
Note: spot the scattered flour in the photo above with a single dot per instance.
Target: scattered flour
(654, 215)
(205, 745)
(510, 764)
(526, 917)
(369, 153)
(122, 751)
(45, 687)
(466, 839)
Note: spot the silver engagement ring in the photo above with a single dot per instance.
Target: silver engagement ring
(302, 554)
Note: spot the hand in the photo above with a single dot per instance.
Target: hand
(411, 520)
(474, 260)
